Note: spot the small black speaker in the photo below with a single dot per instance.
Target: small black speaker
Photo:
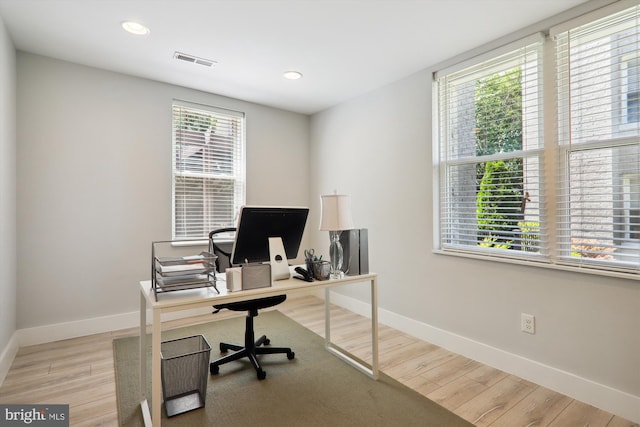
(355, 248)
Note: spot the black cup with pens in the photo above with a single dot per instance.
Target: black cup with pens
(317, 268)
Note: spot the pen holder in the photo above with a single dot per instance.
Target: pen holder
(321, 270)
(309, 264)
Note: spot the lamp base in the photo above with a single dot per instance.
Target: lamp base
(335, 252)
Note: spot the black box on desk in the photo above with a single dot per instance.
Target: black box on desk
(355, 248)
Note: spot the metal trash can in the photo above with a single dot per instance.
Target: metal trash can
(185, 371)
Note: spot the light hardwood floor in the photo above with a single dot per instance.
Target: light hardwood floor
(79, 372)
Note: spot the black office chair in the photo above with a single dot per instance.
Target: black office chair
(251, 347)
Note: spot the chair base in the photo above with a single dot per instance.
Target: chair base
(251, 349)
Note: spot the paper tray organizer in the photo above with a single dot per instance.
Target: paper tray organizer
(175, 273)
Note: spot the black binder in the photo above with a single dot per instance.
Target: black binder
(355, 247)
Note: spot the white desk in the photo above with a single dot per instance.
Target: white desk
(189, 299)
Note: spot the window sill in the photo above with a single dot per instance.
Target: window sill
(541, 264)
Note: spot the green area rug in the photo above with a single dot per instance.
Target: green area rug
(314, 389)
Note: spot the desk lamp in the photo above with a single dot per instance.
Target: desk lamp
(335, 216)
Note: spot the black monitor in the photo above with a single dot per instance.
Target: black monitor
(258, 223)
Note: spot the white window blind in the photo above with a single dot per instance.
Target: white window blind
(599, 174)
(490, 154)
(208, 164)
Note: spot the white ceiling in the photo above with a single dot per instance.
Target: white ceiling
(344, 48)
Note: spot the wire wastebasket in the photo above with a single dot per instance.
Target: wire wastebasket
(185, 371)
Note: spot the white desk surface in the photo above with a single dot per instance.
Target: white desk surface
(170, 301)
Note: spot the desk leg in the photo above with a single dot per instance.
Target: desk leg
(372, 370)
(327, 318)
(144, 403)
(374, 327)
(156, 380)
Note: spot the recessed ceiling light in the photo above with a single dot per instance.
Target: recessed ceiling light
(135, 28)
(292, 75)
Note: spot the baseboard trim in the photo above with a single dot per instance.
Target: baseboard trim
(97, 325)
(7, 356)
(599, 395)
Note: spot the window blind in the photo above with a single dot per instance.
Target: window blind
(491, 154)
(598, 133)
(208, 166)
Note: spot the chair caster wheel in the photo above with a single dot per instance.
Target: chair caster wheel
(267, 341)
(262, 375)
(223, 348)
(214, 369)
(291, 355)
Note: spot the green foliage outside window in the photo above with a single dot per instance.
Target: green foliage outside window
(498, 113)
(529, 236)
(498, 118)
(498, 202)
(194, 122)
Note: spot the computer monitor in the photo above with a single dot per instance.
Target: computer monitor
(257, 223)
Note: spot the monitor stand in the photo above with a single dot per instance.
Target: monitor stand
(278, 259)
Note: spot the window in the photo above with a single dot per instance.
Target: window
(631, 207)
(631, 91)
(208, 169)
(555, 180)
(599, 142)
(490, 153)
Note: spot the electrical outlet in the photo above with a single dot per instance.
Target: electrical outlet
(528, 323)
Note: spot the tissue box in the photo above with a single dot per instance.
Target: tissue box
(234, 279)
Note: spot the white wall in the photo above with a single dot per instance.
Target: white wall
(586, 326)
(94, 182)
(7, 196)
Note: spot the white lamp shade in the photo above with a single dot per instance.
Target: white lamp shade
(335, 213)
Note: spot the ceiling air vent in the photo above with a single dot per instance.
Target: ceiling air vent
(194, 59)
